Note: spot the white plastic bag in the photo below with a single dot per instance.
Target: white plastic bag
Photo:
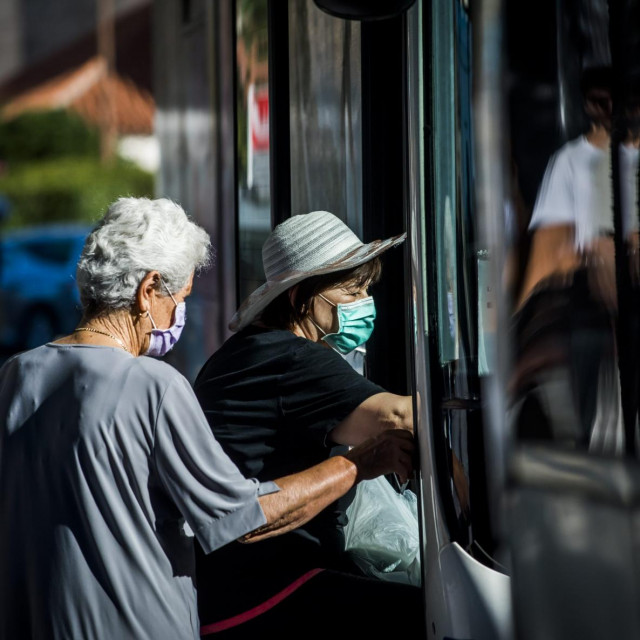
(382, 533)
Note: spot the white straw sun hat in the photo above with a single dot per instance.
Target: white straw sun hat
(310, 244)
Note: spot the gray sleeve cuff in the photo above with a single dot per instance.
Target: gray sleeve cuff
(266, 488)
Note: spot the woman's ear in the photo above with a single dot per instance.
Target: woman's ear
(304, 310)
(292, 295)
(147, 291)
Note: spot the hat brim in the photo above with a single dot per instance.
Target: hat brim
(257, 301)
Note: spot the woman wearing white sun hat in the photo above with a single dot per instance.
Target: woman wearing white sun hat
(280, 397)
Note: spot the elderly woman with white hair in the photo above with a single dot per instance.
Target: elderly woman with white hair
(107, 464)
(279, 397)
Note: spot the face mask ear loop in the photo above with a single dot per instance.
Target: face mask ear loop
(169, 292)
(320, 329)
(324, 333)
(151, 318)
(328, 301)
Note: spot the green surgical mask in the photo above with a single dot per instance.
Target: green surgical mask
(355, 324)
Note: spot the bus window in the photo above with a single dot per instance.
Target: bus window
(460, 288)
(453, 350)
(445, 192)
(567, 378)
(253, 171)
(325, 111)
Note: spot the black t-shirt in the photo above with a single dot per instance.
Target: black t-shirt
(271, 399)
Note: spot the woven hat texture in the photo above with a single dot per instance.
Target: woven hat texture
(302, 246)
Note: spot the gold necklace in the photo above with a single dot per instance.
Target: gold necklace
(104, 333)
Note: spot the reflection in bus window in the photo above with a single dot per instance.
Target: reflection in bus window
(567, 385)
(254, 210)
(574, 384)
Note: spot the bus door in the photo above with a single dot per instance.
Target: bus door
(453, 332)
(570, 170)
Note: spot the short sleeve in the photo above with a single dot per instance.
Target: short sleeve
(629, 188)
(321, 389)
(219, 504)
(555, 203)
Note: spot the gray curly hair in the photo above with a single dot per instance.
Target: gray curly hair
(136, 236)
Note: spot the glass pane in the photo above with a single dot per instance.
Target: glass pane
(574, 176)
(326, 135)
(459, 289)
(456, 253)
(254, 205)
(445, 178)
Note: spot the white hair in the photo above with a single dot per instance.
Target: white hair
(136, 236)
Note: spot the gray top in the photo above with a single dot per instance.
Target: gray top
(103, 457)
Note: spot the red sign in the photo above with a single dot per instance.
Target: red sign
(259, 118)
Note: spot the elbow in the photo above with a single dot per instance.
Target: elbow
(402, 415)
(278, 526)
(249, 538)
(404, 422)
(283, 512)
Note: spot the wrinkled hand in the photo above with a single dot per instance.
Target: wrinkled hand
(389, 452)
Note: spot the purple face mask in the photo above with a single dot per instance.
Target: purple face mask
(161, 341)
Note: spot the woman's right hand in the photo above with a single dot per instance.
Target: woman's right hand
(391, 451)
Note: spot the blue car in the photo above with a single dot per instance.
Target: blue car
(38, 295)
